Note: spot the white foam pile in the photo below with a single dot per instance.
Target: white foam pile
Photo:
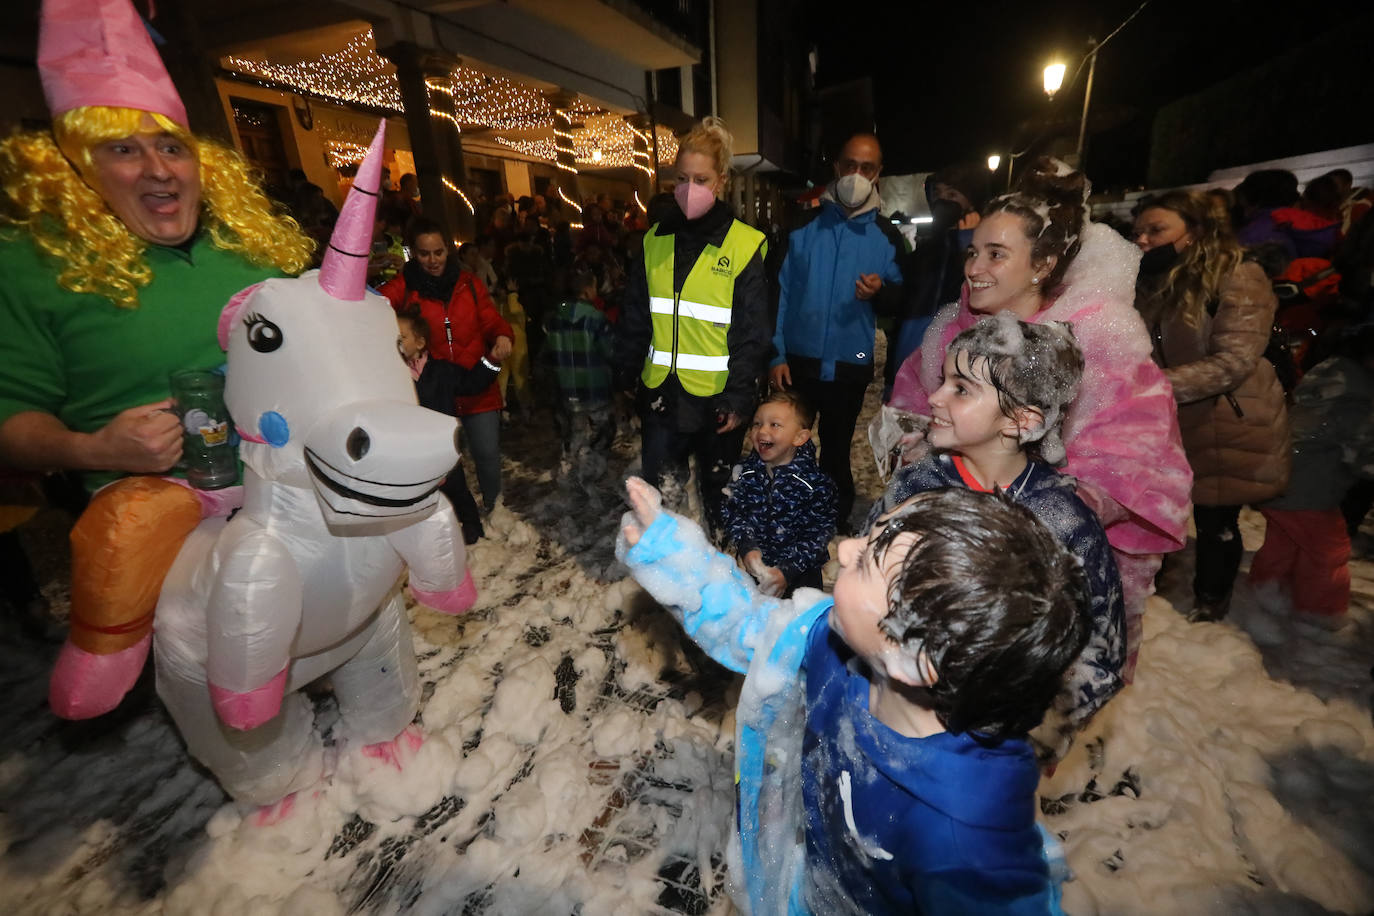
(577, 758)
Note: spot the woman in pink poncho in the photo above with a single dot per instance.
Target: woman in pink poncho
(1035, 253)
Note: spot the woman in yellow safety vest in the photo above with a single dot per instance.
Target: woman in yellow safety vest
(694, 332)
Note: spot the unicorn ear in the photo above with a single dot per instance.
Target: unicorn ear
(343, 272)
(232, 309)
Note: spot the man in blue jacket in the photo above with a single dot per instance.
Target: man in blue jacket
(840, 264)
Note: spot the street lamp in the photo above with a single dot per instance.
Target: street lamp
(1087, 97)
(993, 162)
(1054, 78)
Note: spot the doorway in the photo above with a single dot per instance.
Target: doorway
(259, 129)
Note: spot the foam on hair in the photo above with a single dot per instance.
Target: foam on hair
(1052, 200)
(998, 605)
(1031, 365)
(46, 194)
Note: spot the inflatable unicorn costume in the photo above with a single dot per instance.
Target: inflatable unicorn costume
(341, 478)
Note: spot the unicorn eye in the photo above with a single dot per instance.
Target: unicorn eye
(263, 335)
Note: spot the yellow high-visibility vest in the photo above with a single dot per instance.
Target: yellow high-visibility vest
(690, 325)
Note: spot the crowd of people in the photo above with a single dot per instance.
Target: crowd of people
(1067, 394)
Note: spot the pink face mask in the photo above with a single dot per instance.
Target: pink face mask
(694, 199)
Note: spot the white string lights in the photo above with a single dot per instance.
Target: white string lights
(485, 100)
(358, 75)
(343, 153)
(569, 201)
(436, 113)
(459, 191)
(609, 133)
(539, 149)
(442, 87)
(355, 75)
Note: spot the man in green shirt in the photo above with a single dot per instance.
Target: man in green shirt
(123, 237)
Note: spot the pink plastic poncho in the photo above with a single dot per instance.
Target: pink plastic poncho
(1121, 433)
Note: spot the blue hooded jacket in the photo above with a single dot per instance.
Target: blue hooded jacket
(819, 317)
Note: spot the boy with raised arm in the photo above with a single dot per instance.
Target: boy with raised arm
(881, 752)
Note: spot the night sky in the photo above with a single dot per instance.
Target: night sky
(961, 80)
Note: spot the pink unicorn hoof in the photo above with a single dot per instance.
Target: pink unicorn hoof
(399, 749)
(250, 708)
(275, 813)
(85, 685)
(455, 601)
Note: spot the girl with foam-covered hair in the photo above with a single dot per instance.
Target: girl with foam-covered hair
(1032, 367)
(1036, 253)
(995, 425)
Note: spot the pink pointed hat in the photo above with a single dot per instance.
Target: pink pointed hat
(343, 273)
(97, 52)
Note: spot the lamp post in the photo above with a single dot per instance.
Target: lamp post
(1054, 78)
(993, 162)
(1087, 99)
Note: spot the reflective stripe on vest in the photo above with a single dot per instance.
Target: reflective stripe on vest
(690, 361)
(690, 325)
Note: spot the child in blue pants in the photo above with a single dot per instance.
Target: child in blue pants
(885, 726)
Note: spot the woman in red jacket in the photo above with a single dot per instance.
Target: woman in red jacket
(464, 325)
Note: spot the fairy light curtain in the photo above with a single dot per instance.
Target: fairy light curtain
(357, 75)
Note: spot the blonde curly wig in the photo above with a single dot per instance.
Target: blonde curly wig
(46, 195)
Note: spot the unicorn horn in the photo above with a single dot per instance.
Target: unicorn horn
(343, 273)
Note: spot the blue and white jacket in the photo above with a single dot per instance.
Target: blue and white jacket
(821, 323)
(788, 515)
(1095, 676)
(891, 824)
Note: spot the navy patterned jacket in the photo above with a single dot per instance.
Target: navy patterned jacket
(788, 516)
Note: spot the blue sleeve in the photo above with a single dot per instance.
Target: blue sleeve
(924, 475)
(969, 894)
(892, 270)
(1095, 676)
(716, 603)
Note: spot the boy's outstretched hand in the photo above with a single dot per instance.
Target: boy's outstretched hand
(646, 503)
(770, 579)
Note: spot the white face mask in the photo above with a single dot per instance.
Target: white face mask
(853, 189)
